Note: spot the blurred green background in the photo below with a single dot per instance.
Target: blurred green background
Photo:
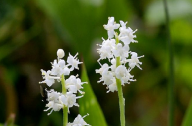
(31, 31)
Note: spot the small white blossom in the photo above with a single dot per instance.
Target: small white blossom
(49, 80)
(104, 66)
(111, 26)
(106, 49)
(134, 61)
(69, 99)
(59, 68)
(120, 71)
(107, 77)
(126, 34)
(127, 78)
(113, 65)
(79, 121)
(112, 87)
(74, 84)
(121, 51)
(73, 62)
(53, 101)
(60, 53)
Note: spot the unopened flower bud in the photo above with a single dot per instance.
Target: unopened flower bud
(60, 53)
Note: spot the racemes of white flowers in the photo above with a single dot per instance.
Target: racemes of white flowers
(117, 46)
(57, 100)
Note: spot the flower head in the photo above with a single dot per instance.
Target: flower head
(117, 51)
(71, 86)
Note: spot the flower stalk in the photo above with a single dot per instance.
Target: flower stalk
(119, 90)
(65, 108)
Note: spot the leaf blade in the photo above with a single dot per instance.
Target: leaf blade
(89, 104)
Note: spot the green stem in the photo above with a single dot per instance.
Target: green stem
(65, 108)
(120, 92)
(171, 70)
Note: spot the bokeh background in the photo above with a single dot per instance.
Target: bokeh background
(31, 31)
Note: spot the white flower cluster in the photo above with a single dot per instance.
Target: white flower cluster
(73, 85)
(117, 46)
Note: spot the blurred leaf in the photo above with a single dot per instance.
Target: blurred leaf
(187, 121)
(183, 69)
(18, 41)
(77, 19)
(184, 27)
(177, 9)
(80, 21)
(89, 104)
(124, 9)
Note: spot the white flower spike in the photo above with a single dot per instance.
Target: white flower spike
(70, 86)
(117, 47)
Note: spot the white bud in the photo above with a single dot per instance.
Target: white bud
(60, 53)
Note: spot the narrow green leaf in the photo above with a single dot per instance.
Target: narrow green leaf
(88, 104)
(187, 121)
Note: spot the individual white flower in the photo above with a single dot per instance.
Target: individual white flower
(120, 71)
(111, 26)
(49, 80)
(107, 77)
(113, 86)
(134, 61)
(113, 64)
(60, 53)
(79, 121)
(104, 66)
(126, 34)
(69, 99)
(53, 106)
(106, 49)
(74, 84)
(123, 28)
(53, 101)
(121, 51)
(53, 95)
(59, 68)
(127, 78)
(73, 62)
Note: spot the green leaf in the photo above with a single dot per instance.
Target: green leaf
(88, 104)
(187, 121)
